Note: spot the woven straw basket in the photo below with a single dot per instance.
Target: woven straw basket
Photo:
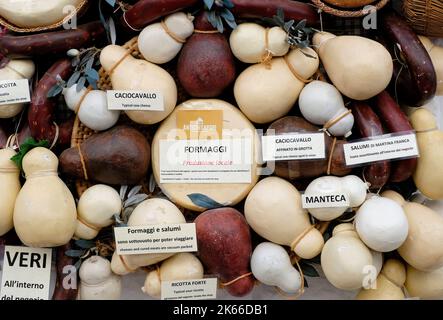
(78, 10)
(425, 16)
(350, 13)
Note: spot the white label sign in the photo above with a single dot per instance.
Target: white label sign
(297, 146)
(381, 148)
(163, 238)
(198, 289)
(332, 200)
(132, 100)
(14, 91)
(26, 273)
(206, 161)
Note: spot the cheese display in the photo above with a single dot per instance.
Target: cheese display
(219, 149)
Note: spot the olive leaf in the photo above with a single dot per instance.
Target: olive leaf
(134, 191)
(74, 253)
(209, 3)
(78, 264)
(73, 79)
(152, 183)
(123, 190)
(297, 34)
(308, 270)
(204, 201)
(27, 145)
(112, 31)
(111, 2)
(134, 200)
(85, 244)
(218, 11)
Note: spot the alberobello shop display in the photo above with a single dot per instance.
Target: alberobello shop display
(221, 149)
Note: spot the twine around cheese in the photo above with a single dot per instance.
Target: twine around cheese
(225, 284)
(267, 56)
(206, 31)
(171, 34)
(82, 161)
(79, 218)
(331, 153)
(127, 53)
(333, 121)
(301, 236)
(294, 72)
(300, 291)
(79, 104)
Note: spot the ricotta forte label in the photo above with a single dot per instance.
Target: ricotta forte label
(303, 146)
(162, 238)
(206, 161)
(14, 91)
(386, 147)
(193, 289)
(331, 200)
(26, 273)
(132, 100)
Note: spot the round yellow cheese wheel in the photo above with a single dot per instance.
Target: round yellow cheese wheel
(234, 125)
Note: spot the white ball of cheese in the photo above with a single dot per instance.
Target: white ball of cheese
(381, 224)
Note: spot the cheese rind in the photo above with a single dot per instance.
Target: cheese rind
(235, 125)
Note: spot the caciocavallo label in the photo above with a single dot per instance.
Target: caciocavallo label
(162, 238)
(332, 200)
(380, 148)
(26, 273)
(14, 91)
(196, 289)
(132, 100)
(297, 146)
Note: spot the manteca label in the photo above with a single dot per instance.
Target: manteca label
(197, 289)
(381, 148)
(206, 161)
(303, 146)
(14, 91)
(26, 273)
(163, 238)
(332, 200)
(131, 100)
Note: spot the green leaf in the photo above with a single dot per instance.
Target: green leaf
(228, 4)
(204, 201)
(232, 24)
(27, 145)
(93, 74)
(209, 3)
(111, 2)
(54, 91)
(80, 84)
(74, 253)
(306, 285)
(73, 79)
(85, 244)
(227, 15)
(220, 27)
(289, 24)
(78, 264)
(300, 25)
(89, 64)
(309, 270)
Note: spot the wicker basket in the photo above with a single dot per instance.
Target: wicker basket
(425, 16)
(351, 13)
(81, 7)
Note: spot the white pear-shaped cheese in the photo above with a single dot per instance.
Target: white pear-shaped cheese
(138, 74)
(44, 214)
(9, 189)
(157, 46)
